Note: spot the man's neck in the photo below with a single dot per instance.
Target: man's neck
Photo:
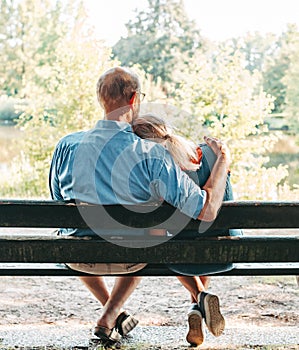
(120, 117)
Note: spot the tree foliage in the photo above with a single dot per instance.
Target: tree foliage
(225, 99)
(257, 49)
(61, 95)
(277, 66)
(270, 54)
(291, 82)
(159, 38)
(223, 89)
(30, 32)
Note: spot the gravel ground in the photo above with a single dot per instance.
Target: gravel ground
(59, 313)
(149, 338)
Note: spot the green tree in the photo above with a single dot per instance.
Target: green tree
(31, 30)
(291, 81)
(159, 38)
(63, 103)
(276, 67)
(270, 54)
(224, 99)
(256, 48)
(8, 82)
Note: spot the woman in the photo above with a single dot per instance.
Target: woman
(197, 161)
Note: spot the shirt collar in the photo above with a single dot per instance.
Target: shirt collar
(113, 125)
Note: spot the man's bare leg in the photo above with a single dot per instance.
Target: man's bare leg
(97, 286)
(121, 291)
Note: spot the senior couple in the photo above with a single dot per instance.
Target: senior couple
(158, 166)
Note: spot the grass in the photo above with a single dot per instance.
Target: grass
(10, 138)
(286, 151)
(282, 280)
(292, 160)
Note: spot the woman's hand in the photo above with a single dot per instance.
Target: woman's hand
(219, 148)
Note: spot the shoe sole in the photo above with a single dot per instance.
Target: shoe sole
(214, 320)
(106, 335)
(195, 334)
(128, 324)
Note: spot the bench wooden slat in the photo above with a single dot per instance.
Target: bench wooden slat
(53, 214)
(184, 248)
(255, 269)
(202, 250)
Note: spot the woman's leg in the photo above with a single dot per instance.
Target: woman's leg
(204, 305)
(193, 284)
(205, 280)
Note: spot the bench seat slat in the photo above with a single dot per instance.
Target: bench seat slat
(254, 269)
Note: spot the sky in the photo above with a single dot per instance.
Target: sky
(216, 19)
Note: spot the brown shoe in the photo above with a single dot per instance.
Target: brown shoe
(210, 309)
(195, 335)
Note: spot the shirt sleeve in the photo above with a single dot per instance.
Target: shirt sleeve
(53, 176)
(177, 188)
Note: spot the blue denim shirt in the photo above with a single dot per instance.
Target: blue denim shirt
(109, 164)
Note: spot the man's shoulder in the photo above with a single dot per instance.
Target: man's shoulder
(149, 146)
(71, 139)
(155, 152)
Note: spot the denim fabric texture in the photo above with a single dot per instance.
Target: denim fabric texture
(200, 177)
(109, 164)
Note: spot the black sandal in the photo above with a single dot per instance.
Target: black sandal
(125, 323)
(108, 336)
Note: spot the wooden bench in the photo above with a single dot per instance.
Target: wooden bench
(45, 254)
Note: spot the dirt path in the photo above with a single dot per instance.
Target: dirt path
(247, 302)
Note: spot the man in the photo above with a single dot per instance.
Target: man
(84, 169)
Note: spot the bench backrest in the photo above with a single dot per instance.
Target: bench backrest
(51, 214)
(234, 214)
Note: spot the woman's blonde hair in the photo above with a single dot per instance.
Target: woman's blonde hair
(184, 152)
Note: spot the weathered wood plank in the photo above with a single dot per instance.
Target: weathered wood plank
(53, 214)
(209, 250)
(265, 269)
